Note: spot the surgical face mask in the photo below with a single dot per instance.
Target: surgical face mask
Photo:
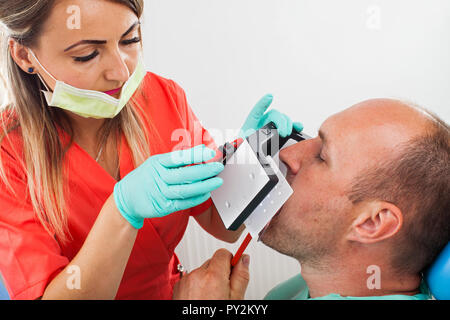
(91, 103)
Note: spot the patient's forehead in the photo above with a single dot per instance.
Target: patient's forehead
(399, 119)
(371, 131)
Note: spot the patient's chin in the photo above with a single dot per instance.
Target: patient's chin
(269, 231)
(274, 238)
(266, 237)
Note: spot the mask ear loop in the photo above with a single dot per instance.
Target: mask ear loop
(42, 80)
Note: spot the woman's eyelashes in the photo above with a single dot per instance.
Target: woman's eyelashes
(96, 52)
(131, 41)
(86, 58)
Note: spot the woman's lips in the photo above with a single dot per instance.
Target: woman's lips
(112, 92)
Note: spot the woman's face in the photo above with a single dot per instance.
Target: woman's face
(89, 44)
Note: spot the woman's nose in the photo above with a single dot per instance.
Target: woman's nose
(119, 70)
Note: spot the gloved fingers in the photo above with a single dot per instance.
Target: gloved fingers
(258, 111)
(298, 126)
(289, 126)
(191, 174)
(243, 133)
(184, 191)
(180, 158)
(178, 205)
(282, 122)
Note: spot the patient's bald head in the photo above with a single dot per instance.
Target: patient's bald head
(375, 130)
(416, 178)
(370, 182)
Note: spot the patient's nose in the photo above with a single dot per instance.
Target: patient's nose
(290, 157)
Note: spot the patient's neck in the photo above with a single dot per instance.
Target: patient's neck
(358, 279)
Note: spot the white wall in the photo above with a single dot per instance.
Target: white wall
(316, 57)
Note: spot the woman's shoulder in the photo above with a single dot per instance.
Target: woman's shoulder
(10, 133)
(155, 84)
(162, 98)
(11, 148)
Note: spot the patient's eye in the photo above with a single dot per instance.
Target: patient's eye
(319, 157)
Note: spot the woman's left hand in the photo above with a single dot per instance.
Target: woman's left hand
(258, 119)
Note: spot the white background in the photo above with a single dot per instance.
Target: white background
(316, 57)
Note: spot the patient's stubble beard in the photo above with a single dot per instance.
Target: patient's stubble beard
(288, 242)
(307, 244)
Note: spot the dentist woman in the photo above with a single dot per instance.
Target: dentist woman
(94, 193)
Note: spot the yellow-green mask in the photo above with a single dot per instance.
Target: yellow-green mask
(91, 103)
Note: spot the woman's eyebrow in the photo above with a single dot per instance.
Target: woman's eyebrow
(101, 41)
(85, 42)
(131, 28)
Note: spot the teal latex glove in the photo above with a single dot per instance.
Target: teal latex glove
(258, 119)
(165, 183)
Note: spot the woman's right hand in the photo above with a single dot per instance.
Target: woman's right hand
(166, 183)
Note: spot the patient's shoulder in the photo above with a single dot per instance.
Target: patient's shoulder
(293, 288)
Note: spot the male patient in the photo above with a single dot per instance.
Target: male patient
(370, 210)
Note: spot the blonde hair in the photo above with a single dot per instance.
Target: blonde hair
(25, 109)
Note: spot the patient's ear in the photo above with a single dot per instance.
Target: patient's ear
(376, 221)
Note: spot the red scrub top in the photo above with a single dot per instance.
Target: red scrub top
(30, 258)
